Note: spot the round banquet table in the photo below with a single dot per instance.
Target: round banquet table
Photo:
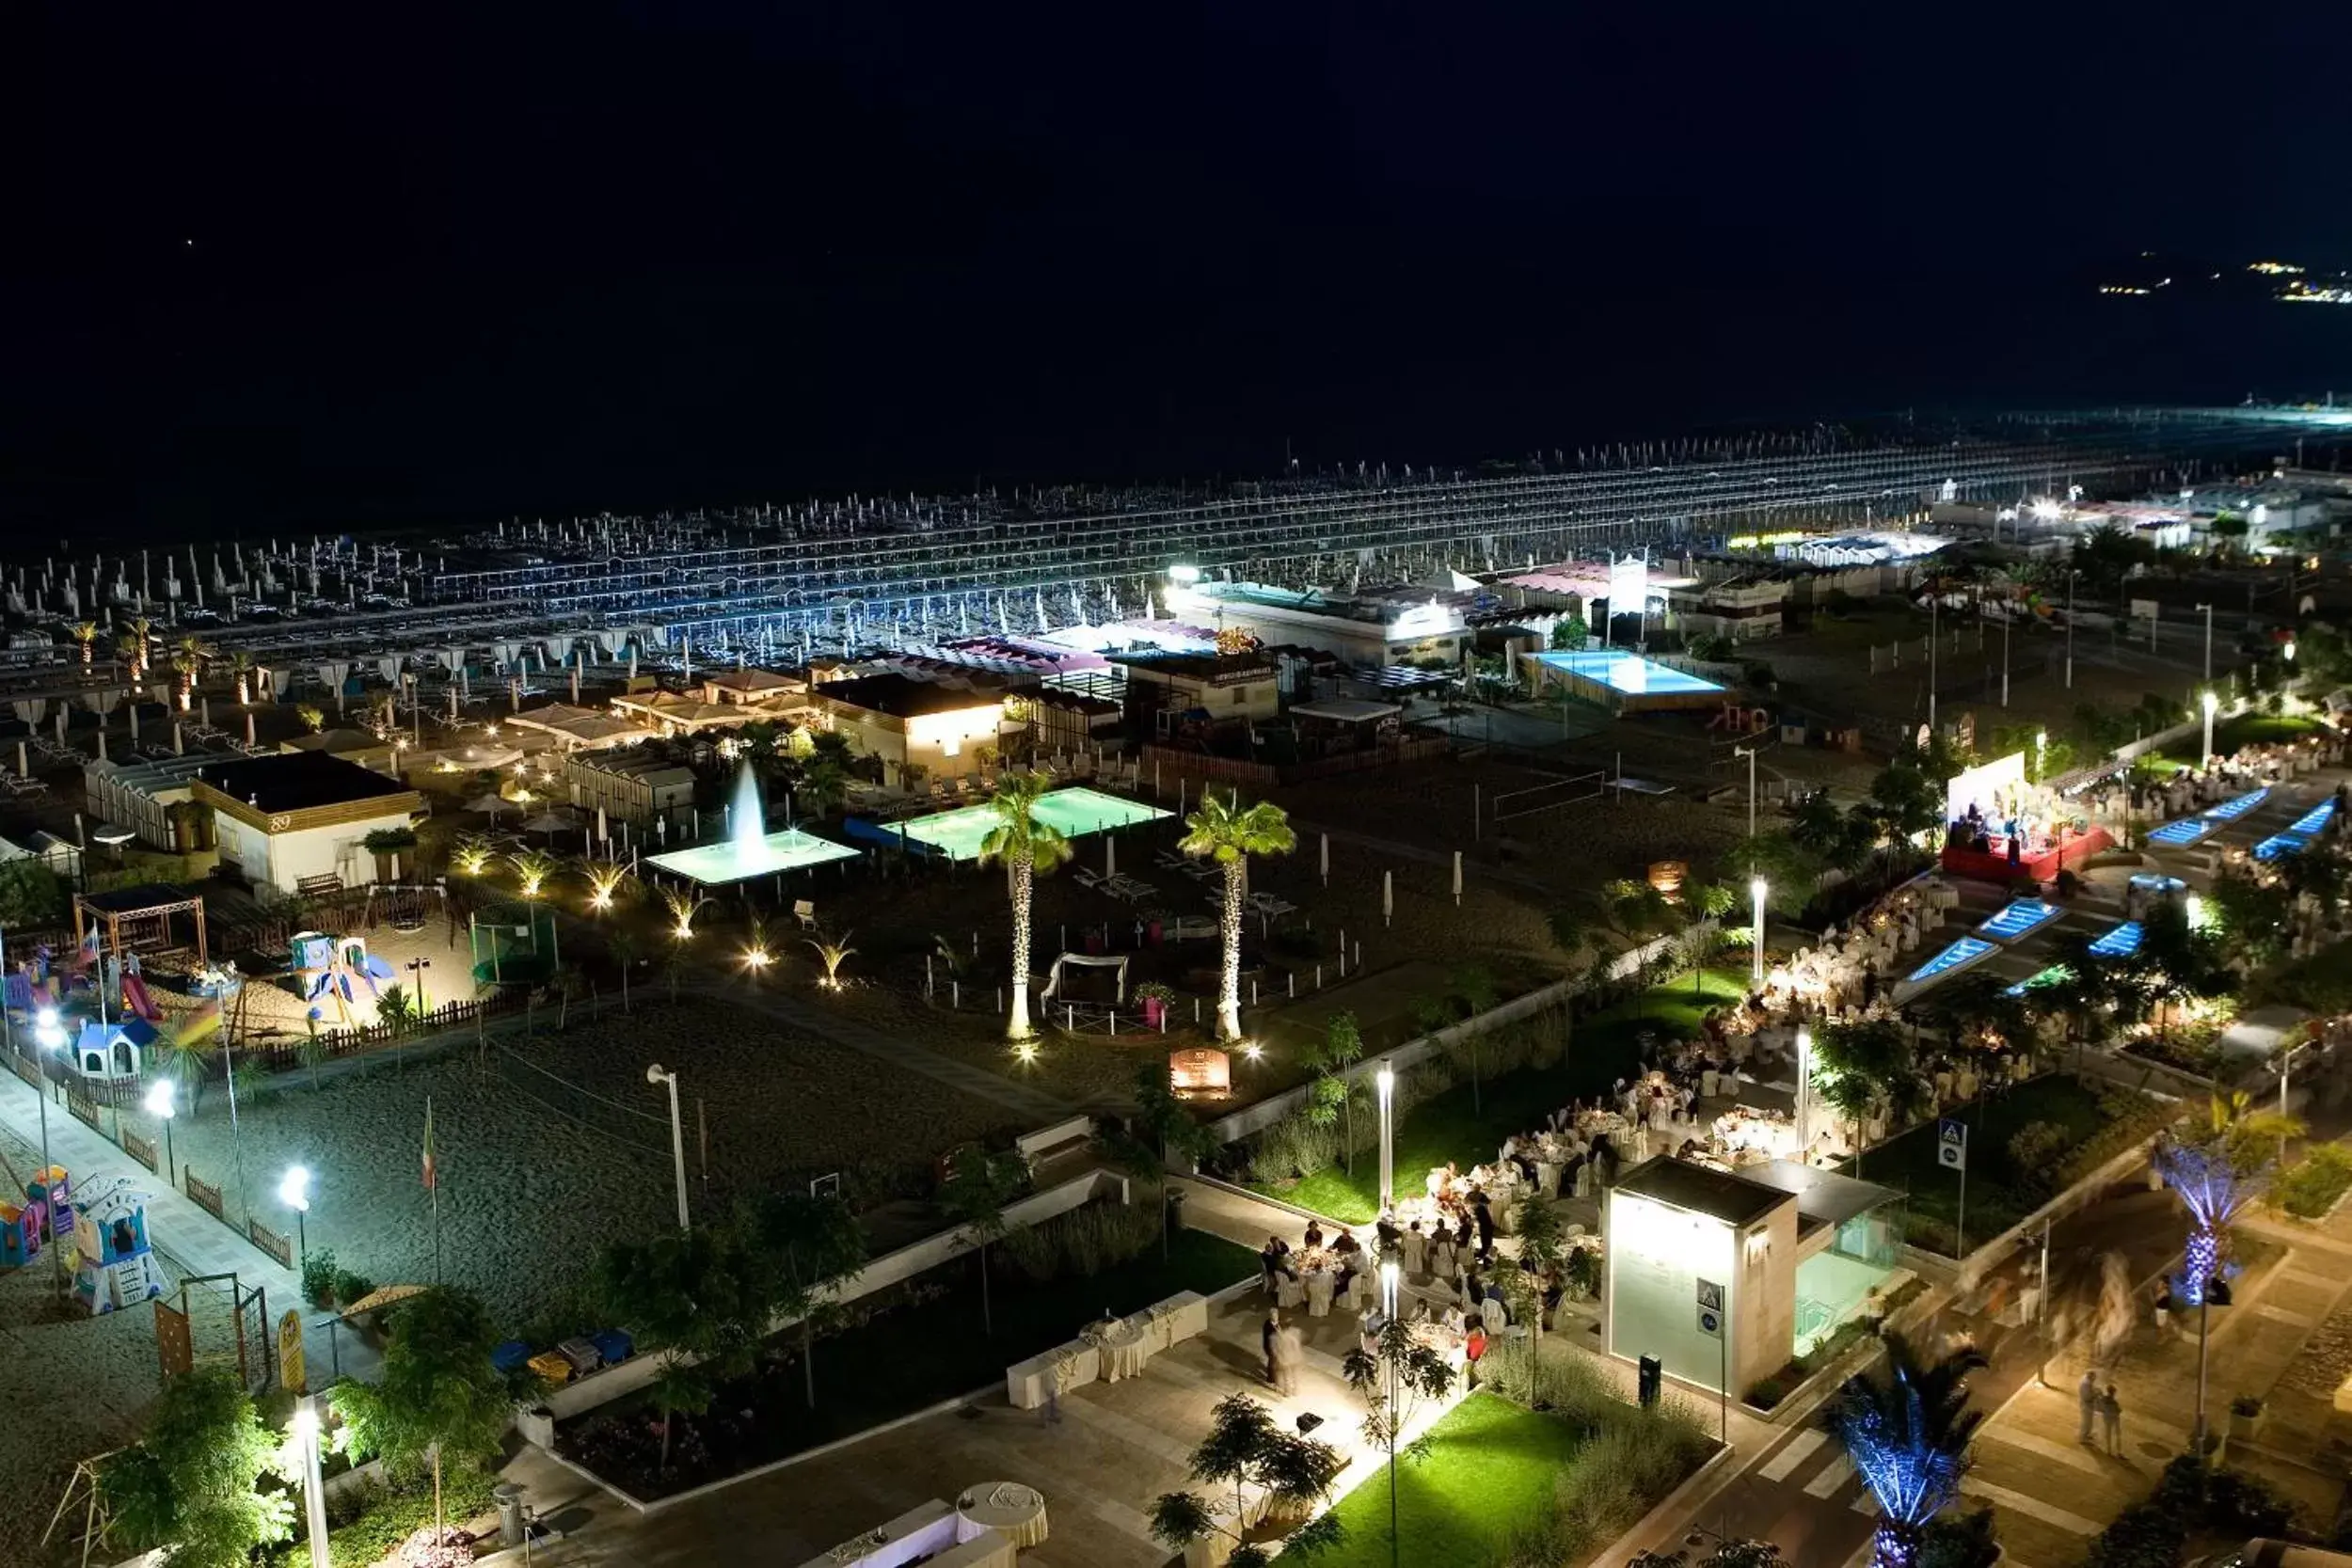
(1015, 1512)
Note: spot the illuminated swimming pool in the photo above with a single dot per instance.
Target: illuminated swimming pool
(1629, 674)
(1967, 950)
(2314, 819)
(2121, 942)
(1076, 811)
(2023, 915)
(717, 865)
(2230, 811)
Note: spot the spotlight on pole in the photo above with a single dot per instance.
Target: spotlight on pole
(1757, 889)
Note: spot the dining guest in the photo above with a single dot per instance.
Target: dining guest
(1314, 1233)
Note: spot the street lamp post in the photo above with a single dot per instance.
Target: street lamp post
(50, 1034)
(2209, 701)
(1757, 890)
(1749, 752)
(2286, 1066)
(2208, 610)
(2071, 576)
(1388, 1292)
(161, 1106)
(2005, 656)
(305, 1435)
(655, 1074)
(1385, 1080)
(417, 967)
(1804, 1094)
(294, 1191)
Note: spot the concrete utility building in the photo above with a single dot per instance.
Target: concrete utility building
(1165, 691)
(301, 816)
(1784, 1253)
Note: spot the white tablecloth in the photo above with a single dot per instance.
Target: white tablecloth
(1015, 1512)
(1213, 1549)
(1125, 1346)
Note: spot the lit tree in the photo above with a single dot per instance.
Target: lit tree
(2218, 1174)
(1029, 848)
(440, 1402)
(606, 878)
(134, 645)
(757, 952)
(684, 905)
(86, 633)
(473, 854)
(313, 718)
(189, 1483)
(1394, 1381)
(1908, 1431)
(815, 1244)
(1247, 1447)
(832, 951)
(699, 1298)
(1230, 835)
(1331, 1095)
(241, 666)
(533, 867)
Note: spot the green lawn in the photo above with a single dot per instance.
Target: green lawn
(1490, 1464)
(1995, 1202)
(1469, 1128)
(2229, 736)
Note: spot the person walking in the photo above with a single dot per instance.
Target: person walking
(1273, 1331)
(2086, 1396)
(2111, 1412)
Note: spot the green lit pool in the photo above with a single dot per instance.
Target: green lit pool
(1075, 811)
(717, 865)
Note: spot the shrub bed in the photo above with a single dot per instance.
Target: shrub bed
(2310, 1187)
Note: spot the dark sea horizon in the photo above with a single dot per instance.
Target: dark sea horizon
(388, 405)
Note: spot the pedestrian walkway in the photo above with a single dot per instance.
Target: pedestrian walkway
(189, 1237)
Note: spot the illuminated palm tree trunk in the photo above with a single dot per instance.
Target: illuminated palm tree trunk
(1017, 1024)
(1229, 993)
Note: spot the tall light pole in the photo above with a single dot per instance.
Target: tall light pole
(305, 1428)
(1757, 890)
(50, 1034)
(2005, 656)
(2208, 610)
(418, 967)
(1385, 1080)
(162, 1104)
(294, 1191)
(2071, 576)
(1388, 1292)
(1804, 1093)
(2209, 701)
(2286, 1066)
(1749, 752)
(655, 1074)
(1935, 603)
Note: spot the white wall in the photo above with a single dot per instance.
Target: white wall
(282, 859)
(1656, 1254)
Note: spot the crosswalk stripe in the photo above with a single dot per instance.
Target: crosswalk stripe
(1866, 1504)
(2032, 1508)
(1834, 1475)
(1798, 1449)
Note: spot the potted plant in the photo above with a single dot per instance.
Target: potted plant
(2246, 1418)
(1156, 998)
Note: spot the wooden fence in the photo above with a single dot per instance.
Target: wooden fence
(286, 1056)
(140, 1150)
(204, 1194)
(271, 1241)
(85, 1111)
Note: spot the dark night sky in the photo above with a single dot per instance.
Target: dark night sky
(447, 265)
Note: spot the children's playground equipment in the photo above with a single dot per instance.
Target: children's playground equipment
(339, 972)
(115, 1268)
(26, 1229)
(106, 1051)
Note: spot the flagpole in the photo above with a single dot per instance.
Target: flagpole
(433, 1185)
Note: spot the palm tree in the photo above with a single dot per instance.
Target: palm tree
(1029, 848)
(313, 718)
(833, 952)
(605, 880)
(134, 646)
(2218, 1174)
(622, 947)
(241, 666)
(684, 905)
(86, 633)
(533, 867)
(1230, 834)
(188, 659)
(472, 853)
(1908, 1433)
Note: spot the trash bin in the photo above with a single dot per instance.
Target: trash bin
(1175, 1209)
(509, 1497)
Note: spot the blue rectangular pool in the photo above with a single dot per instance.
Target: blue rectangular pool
(1967, 950)
(2180, 834)
(2020, 917)
(2314, 819)
(2230, 811)
(1629, 674)
(2121, 942)
(1076, 812)
(2280, 843)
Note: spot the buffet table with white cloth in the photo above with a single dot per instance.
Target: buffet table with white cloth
(933, 1534)
(1107, 1351)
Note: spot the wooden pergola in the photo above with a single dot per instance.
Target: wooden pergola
(144, 908)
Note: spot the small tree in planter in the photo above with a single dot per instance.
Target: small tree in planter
(1246, 1446)
(441, 1403)
(190, 1484)
(1394, 1382)
(2246, 1417)
(388, 845)
(1156, 999)
(979, 1187)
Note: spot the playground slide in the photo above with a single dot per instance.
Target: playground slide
(136, 998)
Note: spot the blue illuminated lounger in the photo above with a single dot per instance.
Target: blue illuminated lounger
(2021, 917)
(2314, 819)
(2230, 811)
(2180, 835)
(2121, 942)
(1967, 950)
(2280, 843)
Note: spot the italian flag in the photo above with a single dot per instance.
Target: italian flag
(431, 1178)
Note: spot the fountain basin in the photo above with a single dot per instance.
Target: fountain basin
(739, 860)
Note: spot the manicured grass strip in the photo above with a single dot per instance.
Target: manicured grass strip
(1604, 1047)
(1490, 1467)
(1997, 1201)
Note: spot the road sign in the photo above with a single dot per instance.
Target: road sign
(1711, 1310)
(1710, 1294)
(1951, 1143)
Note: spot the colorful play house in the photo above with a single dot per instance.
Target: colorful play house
(25, 1229)
(116, 1269)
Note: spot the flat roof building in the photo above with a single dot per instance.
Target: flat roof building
(299, 819)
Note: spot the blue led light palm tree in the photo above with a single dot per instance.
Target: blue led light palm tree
(1908, 1431)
